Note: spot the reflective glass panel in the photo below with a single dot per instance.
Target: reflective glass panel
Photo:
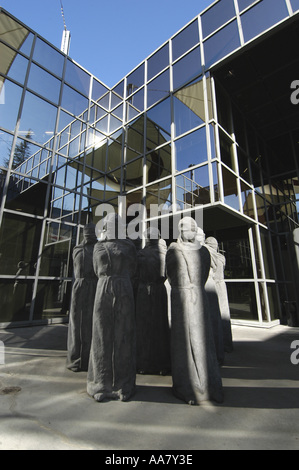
(158, 88)
(38, 117)
(114, 154)
(48, 57)
(114, 123)
(77, 77)
(19, 244)
(247, 200)
(10, 96)
(119, 112)
(222, 43)
(5, 149)
(44, 84)
(158, 124)
(230, 189)
(193, 188)
(119, 89)
(187, 68)
(53, 297)
(191, 150)
(135, 135)
(137, 101)
(160, 194)
(227, 151)
(262, 16)
(115, 100)
(158, 61)
(27, 153)
(27, 44)
(12, 64)
(135, 80)
(242, 301)
(73, 101)
(216, 16)
(133, 174)
(189, 108)
(158, 164)
(295, 5)
(9, 25)
(98, 90)
(15, 300)
(244, 4)
(186, 39)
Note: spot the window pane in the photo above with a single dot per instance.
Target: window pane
(15, 300)
(193, 188)
(77, 77)
(158, 164)
(222, 43)
(15, 40)
(50, 58)
(98, 90)
(187, 68)
(73, 101)
(38, 117)
(191, 150)
(242, 301)
(135, 80)
(247, 200)
(188, 38)
(262, 16)
(158, 88)
(189, 109)
(160, 194)
(158, 61)
(10, 96)
(216, 16)
(158, 124)
(19, 244)
(244, 4)
(133, 174)
(5, 149)
(230, 189)
(295, 4)
(119, 89)
(13, 65)
(44, 84)
(52, 299)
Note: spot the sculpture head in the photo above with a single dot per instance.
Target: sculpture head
(89, 234)
(188, 229)
(212, 243)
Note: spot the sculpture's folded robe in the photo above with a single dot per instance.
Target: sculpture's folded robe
(153, 333)
(112, 364)
(81, 309)
(195, 370)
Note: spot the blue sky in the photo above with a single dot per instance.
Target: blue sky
(109, 38)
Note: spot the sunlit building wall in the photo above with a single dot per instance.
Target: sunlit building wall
(173, 132)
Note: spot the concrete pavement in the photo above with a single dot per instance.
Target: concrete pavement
(45, 406)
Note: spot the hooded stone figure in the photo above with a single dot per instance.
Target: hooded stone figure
(82, 302)
(217, 268)
(112, 363)
(195, 369)
(153, 334)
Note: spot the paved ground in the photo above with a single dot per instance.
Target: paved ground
(45, 406)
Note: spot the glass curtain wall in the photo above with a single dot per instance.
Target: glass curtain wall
(166, 134)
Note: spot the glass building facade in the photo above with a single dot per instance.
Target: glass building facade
(204, 123)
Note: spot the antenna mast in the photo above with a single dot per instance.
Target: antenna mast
(66, 35)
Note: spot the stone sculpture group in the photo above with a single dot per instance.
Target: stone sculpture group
(119, 316)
